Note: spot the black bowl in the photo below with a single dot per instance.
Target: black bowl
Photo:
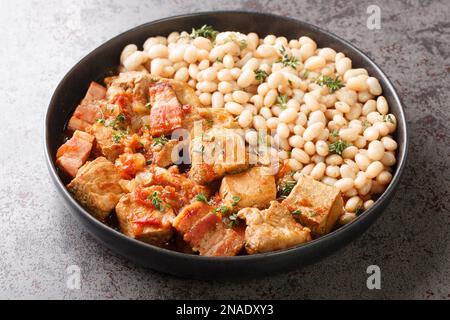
(101, 61)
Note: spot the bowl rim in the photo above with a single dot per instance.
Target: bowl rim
(345, 229)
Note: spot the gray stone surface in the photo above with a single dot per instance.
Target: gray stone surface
(41, 40)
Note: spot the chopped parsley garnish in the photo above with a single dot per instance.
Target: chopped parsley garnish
(218, 60)
(338, 146)
(282, 100)
(285, 188)
(160, 141)
(156, 201)
(312, 213)
(148, 105)
(243, 44)
(359, 211)
(297, 212)
(287, 60)
(332, 84)
(261, 75)
(205, 31)
(388, 118)
(334, 133)
(305, 74)
(148, 162)
(365, 124)
(118, 136)
(201, 197)
(234, 220)
(101, 120)
(121, 117)
(222, 209)
(236, 200)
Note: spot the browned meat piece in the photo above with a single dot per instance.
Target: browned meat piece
(252, 188)
(272, 229)
(89, 109)
(134, 82)
(96, 186)
(105, 144)
(166, 155)
(315, 204)
(144, 215)
(216, 153)
(205, 231)
(74, 153)
(185, 188)
(166, 111)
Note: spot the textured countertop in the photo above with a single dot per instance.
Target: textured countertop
(41, 40)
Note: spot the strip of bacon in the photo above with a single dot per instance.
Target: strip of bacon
(88, 111)
(166, 112)
(74, 153)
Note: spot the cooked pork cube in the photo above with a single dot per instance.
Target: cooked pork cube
(96, 186)
(216, 153)
(315, 204)
(144, 215)
(166, 155)
(185, 188)
(74, 153)
(166, 111)
(272, 229)
(89, 109)
(106, 142)
(205, 231)
(190, 215)
(252, 188)
(135, 82)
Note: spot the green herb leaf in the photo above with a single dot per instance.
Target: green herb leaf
(388, 118)
(222, 209)
(261, 75)
(148, 105)
(287, 60)
(236, 200)
(156, 201)
(312, 213)
(334, 133)
(365, 124)
(339, 146)
(234, 220)
(332, 84)
(206, 32)
(160, 141)
(282, 100)
(285, 188)
(101, 120)
(359, 211)
(118, 136)
(297, 212)
(201, 197)
(148, 162)
(243, 44)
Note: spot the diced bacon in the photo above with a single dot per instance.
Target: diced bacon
(190, 215)
(166, 112)
(88, 111)
(74, 153)
(206, 233)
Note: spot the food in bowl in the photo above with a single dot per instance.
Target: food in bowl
(222, 143)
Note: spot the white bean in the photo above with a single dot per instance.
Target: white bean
(374, 169)
(375, 150)
(344, 184)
